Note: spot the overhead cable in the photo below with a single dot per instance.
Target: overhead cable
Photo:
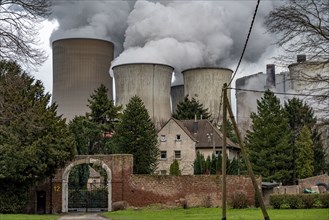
(245, 45)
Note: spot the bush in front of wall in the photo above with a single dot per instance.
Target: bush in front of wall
(276, 201)
(294, 201)
(324, 199)
(240, 200)
(308, 200)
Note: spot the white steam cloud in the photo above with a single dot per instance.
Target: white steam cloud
(182, 34)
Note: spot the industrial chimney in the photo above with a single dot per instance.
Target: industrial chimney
(149, 81)
(80, 66)
(205, 84)
(270, 76)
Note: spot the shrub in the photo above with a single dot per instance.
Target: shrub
(294, 201)
(13, 198)
(324, 199)
(239, 200)
(174, 168)
(308, 200)
(276, 201)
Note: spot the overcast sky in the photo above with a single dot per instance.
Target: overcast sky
(187, 33)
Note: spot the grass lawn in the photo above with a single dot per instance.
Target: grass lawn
(27, 217)
(215, 213)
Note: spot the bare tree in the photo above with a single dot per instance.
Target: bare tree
(302, 28)
(19, 21)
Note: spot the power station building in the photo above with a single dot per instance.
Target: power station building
(79, 67)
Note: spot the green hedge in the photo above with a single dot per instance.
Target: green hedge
(299, 201)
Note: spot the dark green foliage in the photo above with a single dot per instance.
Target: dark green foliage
(174, 168)
(299, 115)
(136, 134)
(293, 201)
(232, 167)
(79, 177)
(298, 201)
(268, 141)
(34, 141)
(199, 164)
(324, 199)
(240, 200)
(213, 165)
(189, 109)
(90, 131)
(304, 154)
(276, 201)
(13, 197)
(230, 132)
(103, 110)
(319, 157)
(308, 200)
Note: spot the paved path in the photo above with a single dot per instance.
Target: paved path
(82, 216)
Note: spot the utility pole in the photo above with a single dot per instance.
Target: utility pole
(227, 107)
(224, 154)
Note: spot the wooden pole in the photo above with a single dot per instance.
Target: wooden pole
(224, 125)
(246, 160)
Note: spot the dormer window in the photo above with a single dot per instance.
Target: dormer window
(178, 137)
(163, 138)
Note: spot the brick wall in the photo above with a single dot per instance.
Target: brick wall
(143, 190)
(312, 181)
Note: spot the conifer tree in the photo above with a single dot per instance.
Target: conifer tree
(174, 168)
(268, 141)
(299, 114)
(136, 134)
(189, 109)
(304, 153)
(34, 141)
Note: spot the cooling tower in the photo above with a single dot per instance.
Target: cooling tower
(303, 72)
(177, 96)
(79, 67)
(205, 84)
(149, 81)
(246, 101)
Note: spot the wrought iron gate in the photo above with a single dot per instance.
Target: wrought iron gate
(88, 200)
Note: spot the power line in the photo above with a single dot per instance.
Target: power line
(245, 45)
(281, 93)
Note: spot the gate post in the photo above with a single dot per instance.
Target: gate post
(64, 195)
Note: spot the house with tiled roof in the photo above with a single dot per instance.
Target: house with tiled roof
(181, 140)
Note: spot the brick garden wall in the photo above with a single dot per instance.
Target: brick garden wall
(312, 181)
(143, 190)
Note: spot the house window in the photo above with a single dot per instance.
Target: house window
(178, 137)
(163, 138)
(163, 172)
(163, 155)
(178, 154)
(218, 152)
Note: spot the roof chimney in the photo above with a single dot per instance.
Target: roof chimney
(301, 58)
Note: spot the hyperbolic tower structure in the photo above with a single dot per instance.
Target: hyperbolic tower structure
(80, 66)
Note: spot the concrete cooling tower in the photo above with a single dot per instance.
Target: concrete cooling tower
(177, 96)
(79, 67)
(149, 81)
(205, 84)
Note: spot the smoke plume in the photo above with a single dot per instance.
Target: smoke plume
(182, 34)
